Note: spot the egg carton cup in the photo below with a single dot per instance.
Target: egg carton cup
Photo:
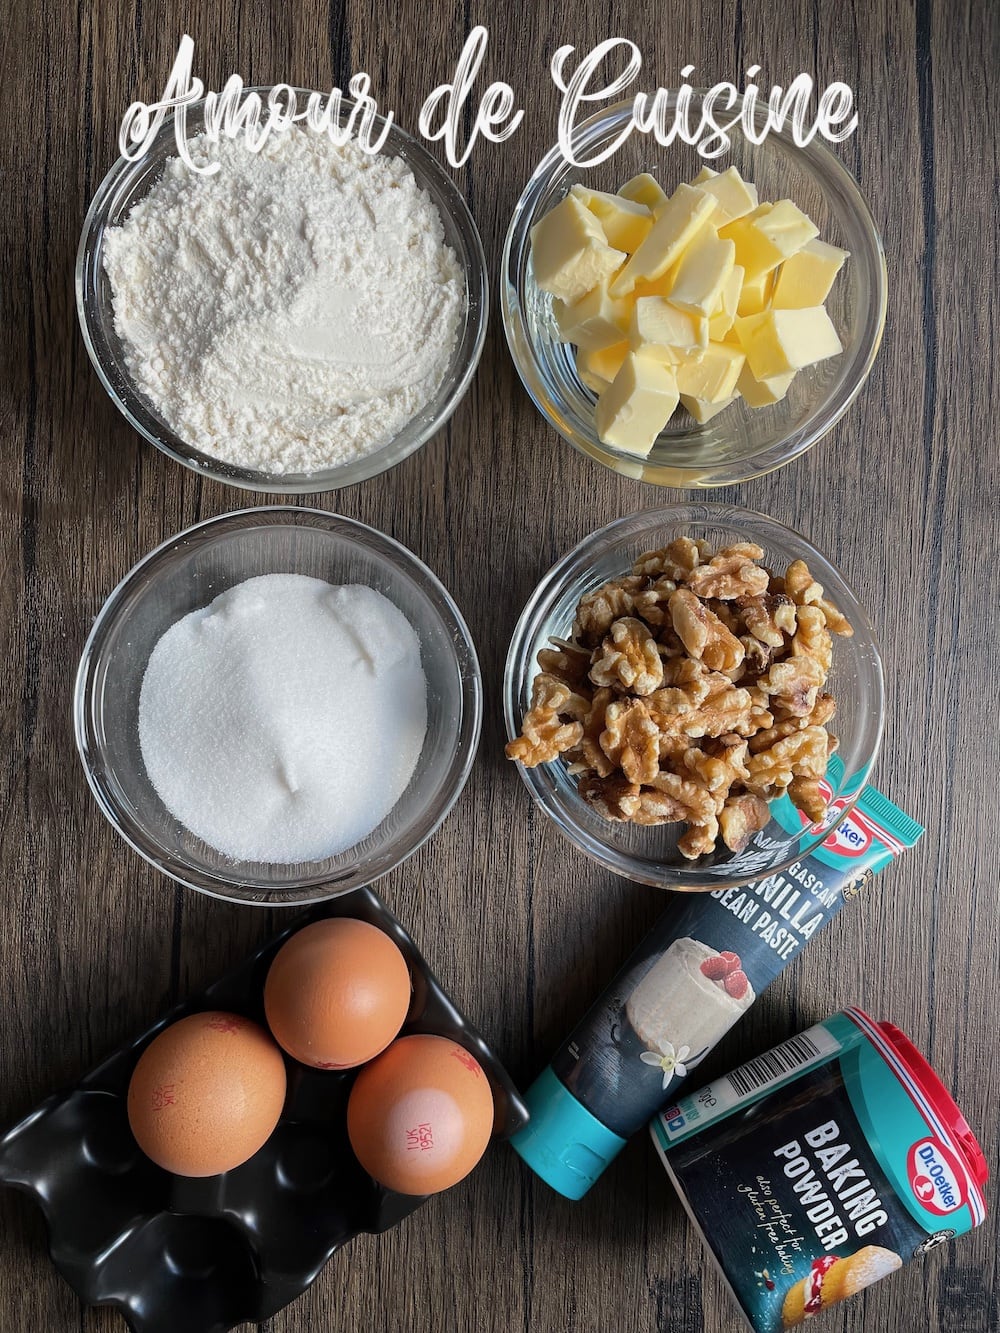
(207, 1254)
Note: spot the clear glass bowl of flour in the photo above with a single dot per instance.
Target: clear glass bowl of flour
(129, 182)
(187, 573)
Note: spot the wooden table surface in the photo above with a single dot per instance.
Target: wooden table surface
(524, 932)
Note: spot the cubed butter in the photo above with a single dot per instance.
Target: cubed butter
(734, 197)
(681, 218)
(768, 235)
(625, 222)
(664, 331)
(755, 294)
(633, 410)
(703, 411)
(702, 273)
(713, 377)
(762, 393)
(721, 322)
(703, 297)
(806, 277)
(755, 252)
(595, 321)
(787, 227)
(569, 252)
(777, 341)
(598, 366)
(661, 286)
(644, 189)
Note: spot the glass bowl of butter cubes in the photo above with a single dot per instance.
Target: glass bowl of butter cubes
(692, 322)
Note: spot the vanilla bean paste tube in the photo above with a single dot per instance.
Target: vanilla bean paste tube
(690, 980)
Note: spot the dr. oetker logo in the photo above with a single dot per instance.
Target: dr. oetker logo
(937, 1181)
(849, 838)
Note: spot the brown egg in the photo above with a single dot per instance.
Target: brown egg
(419, 1118)
(337, 993)
(206, 1094)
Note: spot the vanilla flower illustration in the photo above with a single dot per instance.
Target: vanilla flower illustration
(669, 1060)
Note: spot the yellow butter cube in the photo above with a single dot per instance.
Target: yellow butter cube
(595, 321)
(598, 366)
(644, 189)
(777, 341)
(625, 222)
(594, 383)
(633, 410)
(681, 218)
(768, 235)
(762, 393)
(787, 227)
(721, 322)
(569, 252)
(734, 197)
(661, 286)
(755, 294)
(664, 331)
(703, 272)
(806, 277)
(713, 377)
(755, 252)
(703, 411)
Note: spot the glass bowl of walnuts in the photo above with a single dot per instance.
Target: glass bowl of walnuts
(694, 696)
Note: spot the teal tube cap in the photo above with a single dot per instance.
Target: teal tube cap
(562, 1142)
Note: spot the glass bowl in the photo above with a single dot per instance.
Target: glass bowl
(128, 182)
(649, 855)
(738, 443)
(186, 573)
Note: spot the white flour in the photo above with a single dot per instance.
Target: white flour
(291, 312)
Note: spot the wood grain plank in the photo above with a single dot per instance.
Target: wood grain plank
(522, 931)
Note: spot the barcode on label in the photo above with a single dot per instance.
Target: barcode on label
(749, 1083)
(773, 1066)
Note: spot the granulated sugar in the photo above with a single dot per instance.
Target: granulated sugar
(294, 310)
(282, 722)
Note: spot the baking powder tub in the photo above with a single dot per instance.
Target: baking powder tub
(821, 1167)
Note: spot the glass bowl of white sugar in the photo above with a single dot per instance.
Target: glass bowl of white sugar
(302, 319)
(278, 705)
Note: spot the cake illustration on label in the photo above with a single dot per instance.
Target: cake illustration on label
(686, 1003)
(833, 1279)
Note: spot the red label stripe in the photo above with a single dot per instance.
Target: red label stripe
(977, 1203)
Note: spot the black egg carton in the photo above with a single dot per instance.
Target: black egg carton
(206, 1254)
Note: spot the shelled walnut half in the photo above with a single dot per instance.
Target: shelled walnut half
(692, 691)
